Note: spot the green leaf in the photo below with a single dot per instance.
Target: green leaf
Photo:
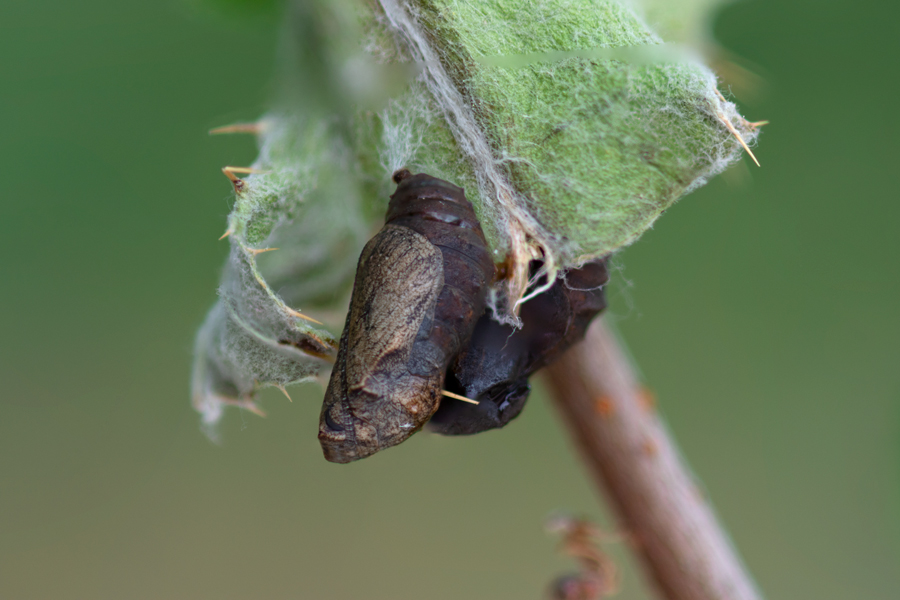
(570, 123)
(573, 127)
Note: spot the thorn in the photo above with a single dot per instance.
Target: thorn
(226, 234)
(284, 391)
(254, 128)
(236, 181)
(252, 407)
(458, 397)
(300, 315)
(246, 404)
(230, 171)
(255, 251)
(735, 133)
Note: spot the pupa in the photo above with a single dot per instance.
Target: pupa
(494, 368)
(419, 290)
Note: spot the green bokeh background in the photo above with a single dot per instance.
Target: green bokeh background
(762, 310)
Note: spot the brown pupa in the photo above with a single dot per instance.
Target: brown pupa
(419, 290)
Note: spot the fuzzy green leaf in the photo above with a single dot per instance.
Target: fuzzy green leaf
(305, 202)
(570, 123)
(574, 127)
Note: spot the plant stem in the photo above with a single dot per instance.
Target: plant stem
(632, 458)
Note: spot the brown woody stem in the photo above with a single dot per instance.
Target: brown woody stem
(633, 459)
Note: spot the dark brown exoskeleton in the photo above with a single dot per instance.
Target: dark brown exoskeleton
(420, 287)
(495, 367)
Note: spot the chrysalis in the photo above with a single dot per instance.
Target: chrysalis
(420, 287)
(495, 367)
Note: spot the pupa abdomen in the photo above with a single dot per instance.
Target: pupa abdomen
(419, 289)
(495, 366)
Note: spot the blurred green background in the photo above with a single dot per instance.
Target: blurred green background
(762, 310)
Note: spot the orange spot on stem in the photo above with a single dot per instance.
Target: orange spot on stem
(647, 399)
(604, 406)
